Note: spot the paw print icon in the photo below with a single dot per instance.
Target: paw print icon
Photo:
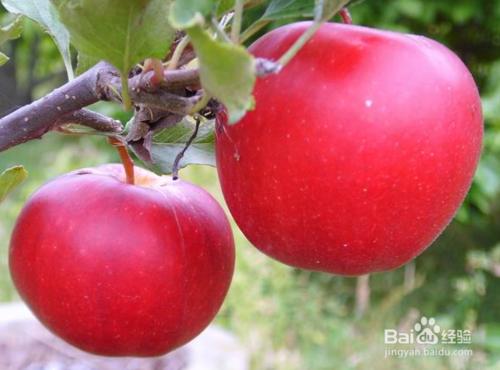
(427, 331)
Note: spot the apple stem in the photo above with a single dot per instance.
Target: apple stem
(175, 166)
(346, 16)
(128, 163)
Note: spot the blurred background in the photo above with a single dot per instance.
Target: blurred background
(291, 319)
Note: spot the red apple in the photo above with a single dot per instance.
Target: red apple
(358, 153)
(118, 269)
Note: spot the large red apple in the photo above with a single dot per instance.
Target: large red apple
(122, 270)
(357, 154)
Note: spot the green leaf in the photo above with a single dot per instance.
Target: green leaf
(164, 156)
(44, 13)
(12, 30)
(85, 62)
(123, 32)
(188, 13)
(9, 32)
(3, 59)
(227, 72)
(223, 6)
(321, 10)
(279, 9)
(168, 143)
(326, 9)
(10, 178)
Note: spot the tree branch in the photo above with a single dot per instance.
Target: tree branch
(88, 118)
(35, 119)
(166, 101)
(101, 82)
(173, 80)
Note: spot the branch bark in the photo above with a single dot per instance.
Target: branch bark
(101, 82)
(166, 101)
(35, 119)
(88, 118)
(173, 80)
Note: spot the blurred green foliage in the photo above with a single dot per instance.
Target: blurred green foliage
(291, 319)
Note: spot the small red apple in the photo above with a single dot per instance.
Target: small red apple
(118, 269)
(358, 153)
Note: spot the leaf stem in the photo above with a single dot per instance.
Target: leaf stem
(127, 103)
(221, 34)
(237, 19)
(205, 98)
(301, 41)
(252, 30)
(155, 65)
(176, 56)
(128, 163)
(324, 10)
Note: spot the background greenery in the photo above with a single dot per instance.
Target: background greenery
(291, 319)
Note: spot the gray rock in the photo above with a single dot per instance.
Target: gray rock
(25, 344)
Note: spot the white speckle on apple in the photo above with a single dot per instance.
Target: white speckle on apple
(368, 103)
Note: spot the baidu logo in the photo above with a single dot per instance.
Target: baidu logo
(423, 337)
(425, 331)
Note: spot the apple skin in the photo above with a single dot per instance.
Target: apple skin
(357, 154)
(118, 269)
